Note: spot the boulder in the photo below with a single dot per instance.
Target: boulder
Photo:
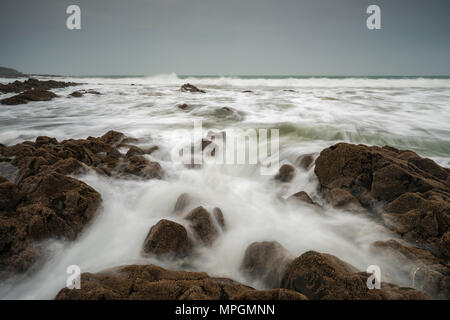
(139, 166)
(202, 225)
(286, 173)
(302, 196)
(218, 215)
(266, 261)
(167, 238)
(321, 276)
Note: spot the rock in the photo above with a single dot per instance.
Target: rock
(266, 261)
(142, 167)
(150, 282)
(302, 196)
(134, 151)
(423, 270)
(321, 276)
(76, 94)
(10, 195)
(444, 244)
(286, 173)
(80, 93)
(167, 238)
(30, 95)
(187, 87)
(218, 215)
(31, 83)
(38, 201)
(412, 194)
(272, 294)
(202, 225)
(305, 161)
(182, 202)
(340, 198)
(48, 206)
(247, 91)
(183, 106)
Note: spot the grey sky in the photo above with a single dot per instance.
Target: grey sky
(226, 37)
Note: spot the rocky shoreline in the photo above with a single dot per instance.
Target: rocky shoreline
(40, 199)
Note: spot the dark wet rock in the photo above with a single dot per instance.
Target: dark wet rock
(150, 282)
(305, 161)
(167, 238)
(32, 83)
(30, 95)
(136, 151)
(183, 106)
(76, 94)
(286, 173)
(266, 261)
(444, 244)
(10, 195)
(202, 225)
(187, 87)
(142, 167)
(80, 93)
(321, 276)
(413, 192)
(39, 201)
(247, 91)
(45, 206)
(340, 198)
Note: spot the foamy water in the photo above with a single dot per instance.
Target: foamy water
(311, 115)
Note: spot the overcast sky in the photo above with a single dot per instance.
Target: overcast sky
(226, 37)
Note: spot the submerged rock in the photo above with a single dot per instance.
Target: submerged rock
(321, 276)
(150, 282)
(266, 261)
(286, 173)
(167, 238)
(202, 225)
(305, 161)
(187, 87)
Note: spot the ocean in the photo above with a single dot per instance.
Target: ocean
(311, 113)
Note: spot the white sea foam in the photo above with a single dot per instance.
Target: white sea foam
(310, 113)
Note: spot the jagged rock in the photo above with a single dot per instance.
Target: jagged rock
(50, 206)
(187, 87)
(167, 238)
(150, 282)
(136, 151)
(30, 95)
(416, 190)
(80, 93)
(321, 276)
(286, 173)
(266, 261)
(202, 225)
